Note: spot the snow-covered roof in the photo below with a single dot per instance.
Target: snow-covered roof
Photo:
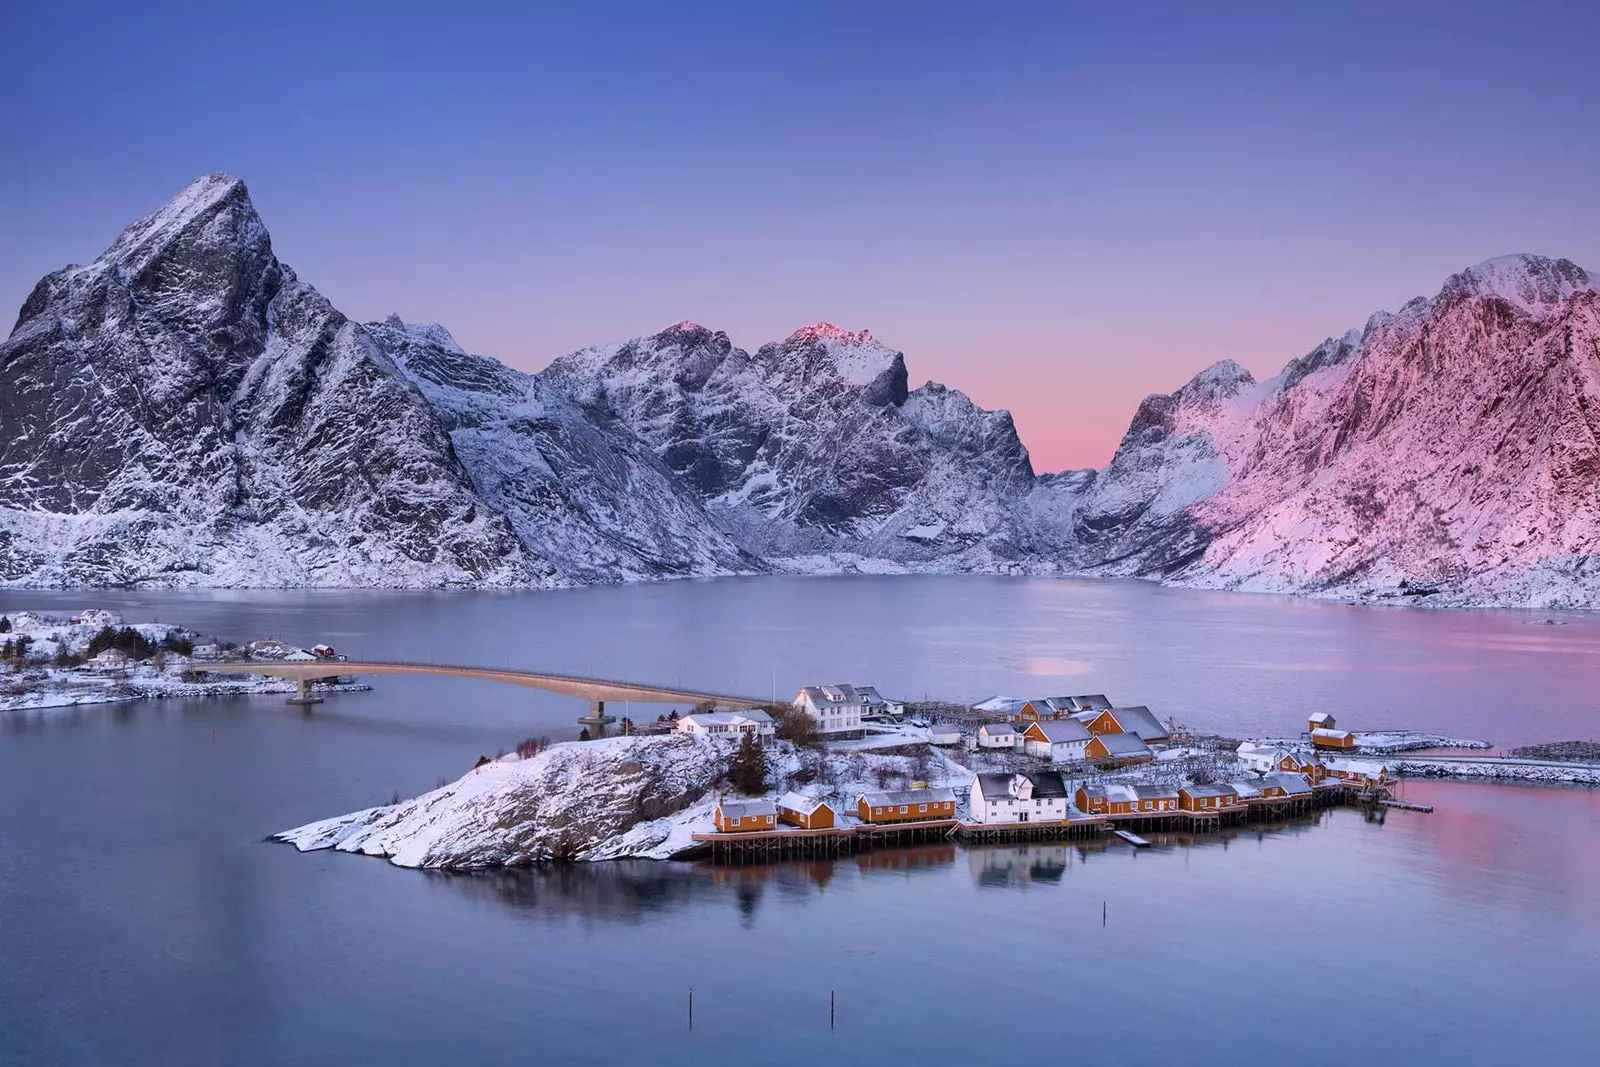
(1330, 734)
(1146, 791)
(1090, 701)
(1059, 731)
(1001, 704)
(1321, 718)
(1292, 784)
(793, 801)
(1115, 791)
(997, 729)
(299, 655)
(909, 796)
(1245, 787)
(1124, 744)
(1371, 768)
(741, 809)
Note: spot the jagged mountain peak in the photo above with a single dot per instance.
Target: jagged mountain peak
(827, 331)
(214, 207)
(1535, 284)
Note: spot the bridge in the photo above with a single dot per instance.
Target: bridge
(595, 690)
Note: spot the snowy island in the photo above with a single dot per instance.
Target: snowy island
(679, 793)
(50, 660)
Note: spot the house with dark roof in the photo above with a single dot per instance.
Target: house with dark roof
(1038, 796)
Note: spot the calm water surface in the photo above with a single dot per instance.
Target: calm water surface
(143, 920)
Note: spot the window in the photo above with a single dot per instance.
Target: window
(904, 809)
(923, 808)
(733, 821)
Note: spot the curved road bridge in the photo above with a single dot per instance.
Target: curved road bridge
(595, 690)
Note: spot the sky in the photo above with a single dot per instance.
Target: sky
(1057, 208)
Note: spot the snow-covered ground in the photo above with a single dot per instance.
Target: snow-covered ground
(622, 796)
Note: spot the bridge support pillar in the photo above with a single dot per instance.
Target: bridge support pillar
(302, 694)
(597, 720)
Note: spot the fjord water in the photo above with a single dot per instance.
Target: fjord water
(144, 920)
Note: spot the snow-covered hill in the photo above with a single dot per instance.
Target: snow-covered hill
(185, 411)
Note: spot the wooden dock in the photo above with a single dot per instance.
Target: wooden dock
(765, 846)
(760, 846)
(1132, 838)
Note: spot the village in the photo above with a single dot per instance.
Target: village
(1049, 767)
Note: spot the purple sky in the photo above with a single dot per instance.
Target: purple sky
(1058, 211)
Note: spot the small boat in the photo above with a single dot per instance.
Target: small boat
(1133, 839)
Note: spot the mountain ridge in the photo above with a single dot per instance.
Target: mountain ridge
(186, 411)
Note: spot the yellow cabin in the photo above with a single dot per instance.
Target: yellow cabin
(906, 805)
(745, 816)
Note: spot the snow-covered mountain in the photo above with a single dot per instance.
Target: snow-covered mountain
(185, 411)
(1450, 450)
(812, 450)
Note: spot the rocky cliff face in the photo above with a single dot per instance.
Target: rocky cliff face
(814, 445)
(185, 411)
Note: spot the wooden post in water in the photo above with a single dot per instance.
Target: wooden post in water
(691, 1007)
(1102, 914)
(830, 1009)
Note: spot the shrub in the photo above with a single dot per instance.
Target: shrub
(180, 645)
(797, 727)
(530, 747)
(5, 624)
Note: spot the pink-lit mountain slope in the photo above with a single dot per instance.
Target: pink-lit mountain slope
(1449, 451)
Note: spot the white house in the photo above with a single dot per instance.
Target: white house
(837, 709)
(1263, 759)
(725, 723)
(1061, 740)
(97, 617)
(111, 659)
(299, 655)
(944, 734)
(1013, 798)
(1002, 735)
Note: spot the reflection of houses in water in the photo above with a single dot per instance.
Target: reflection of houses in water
(923, 857)
(1019, 865)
